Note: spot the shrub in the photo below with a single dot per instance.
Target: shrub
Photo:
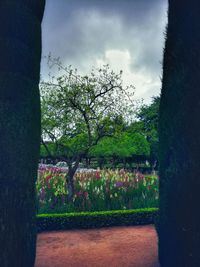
(87, 220)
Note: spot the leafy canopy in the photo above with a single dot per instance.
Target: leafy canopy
(78, 111)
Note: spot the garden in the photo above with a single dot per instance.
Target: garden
(98, 157)
(77, 117)
(94, 121)
(96, 190)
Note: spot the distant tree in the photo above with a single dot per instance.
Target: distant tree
(48, 150)
(148, 114)
(78, 111)
(148, 119)
(122, 145)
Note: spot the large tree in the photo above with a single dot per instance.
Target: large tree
(20, 53)
(179, 226)
(78, 111)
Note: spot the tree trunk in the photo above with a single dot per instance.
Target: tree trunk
(70, 179)
(153, 166)
(20, 53)
(70, 186)
(179, 226)
(100, 162)
(87, 162)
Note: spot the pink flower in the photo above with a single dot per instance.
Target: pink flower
(78, 194)
(85, 194)
(126, 184)
(107, 186)
(98, 176)
(48, 178)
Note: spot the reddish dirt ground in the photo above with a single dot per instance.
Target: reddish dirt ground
(133, 246)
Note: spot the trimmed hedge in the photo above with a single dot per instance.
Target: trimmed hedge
(85, 220)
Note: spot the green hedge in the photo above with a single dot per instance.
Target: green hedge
(85, 220)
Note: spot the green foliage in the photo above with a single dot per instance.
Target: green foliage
(148, 119)
(123, 144)
(46, 222)
(148, 114)
(78, 111)
(50, 150)
(94, 116)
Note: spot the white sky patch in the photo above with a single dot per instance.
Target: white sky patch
(145, 83)
(117, 59)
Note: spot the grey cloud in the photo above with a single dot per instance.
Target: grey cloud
(80, 31)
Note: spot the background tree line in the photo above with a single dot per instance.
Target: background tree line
(120, 143)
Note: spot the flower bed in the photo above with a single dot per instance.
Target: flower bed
(95, 191)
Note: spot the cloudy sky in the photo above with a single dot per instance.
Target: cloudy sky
(128, 35)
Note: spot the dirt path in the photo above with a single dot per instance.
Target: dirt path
(133, 246)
